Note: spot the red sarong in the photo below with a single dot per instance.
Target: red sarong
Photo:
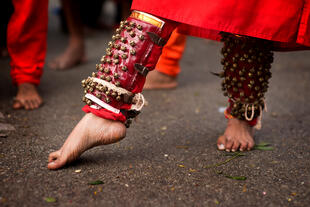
(286, 22)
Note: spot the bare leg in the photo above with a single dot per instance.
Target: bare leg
(238, 136)
(158, 80)
(91, 131)
(75, 52)
(168, 67)
(114, 89)
(27, 97)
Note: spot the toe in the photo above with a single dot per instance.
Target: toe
(229, 144)
(55, 160)
(221, 142)
(35, 104)
(58, 163)
(27, 105)
(251, 145)
(31, 104)
(53, 156)
(243, 146)
(235, 146)
(17, 104)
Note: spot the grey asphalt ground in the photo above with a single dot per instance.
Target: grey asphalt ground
(162, 161)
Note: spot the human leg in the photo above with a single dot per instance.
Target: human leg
(168, 67)
(27, 48)
(75, 52)
(247, 62)
(113, 93)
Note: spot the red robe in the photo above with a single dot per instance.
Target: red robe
(285, 21)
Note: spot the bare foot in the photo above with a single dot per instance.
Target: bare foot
(73, 55)
(158, 80)
(238, 135)
(27, 97)
(91, 131)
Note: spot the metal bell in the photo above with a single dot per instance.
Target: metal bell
(113, 94)
(116, 61)
(139, 27)
(132, 52)
(124, 68)
(117, 83)
(123, 39)
(117, 46)
(118, 98)
(132, 34)
(107, 70)
(132, 43)
(110, 44)
(123, 48)
(141, 37)
(108, 78)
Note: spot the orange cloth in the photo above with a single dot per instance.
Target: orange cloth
(168, 62)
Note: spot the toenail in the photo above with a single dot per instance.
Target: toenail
(221, 146)
(233, 150)
(241, 150)
(227, 150)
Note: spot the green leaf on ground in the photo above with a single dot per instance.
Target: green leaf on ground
(236, 154)
(263, 146)
(97, 182)
(50, 199)
(231, 177)
(233, 154)
(236, 177)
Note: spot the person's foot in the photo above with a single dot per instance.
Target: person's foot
(73, 55)
(158, 80)
(27, 97)
(91, 131)
(238, 136)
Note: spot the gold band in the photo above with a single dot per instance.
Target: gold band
(147, 18)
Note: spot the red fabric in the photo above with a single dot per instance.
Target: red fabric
(277, 20)
(26, 40)
(103, 113)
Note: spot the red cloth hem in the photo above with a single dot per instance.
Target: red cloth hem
(280, 21)
(105, 114)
